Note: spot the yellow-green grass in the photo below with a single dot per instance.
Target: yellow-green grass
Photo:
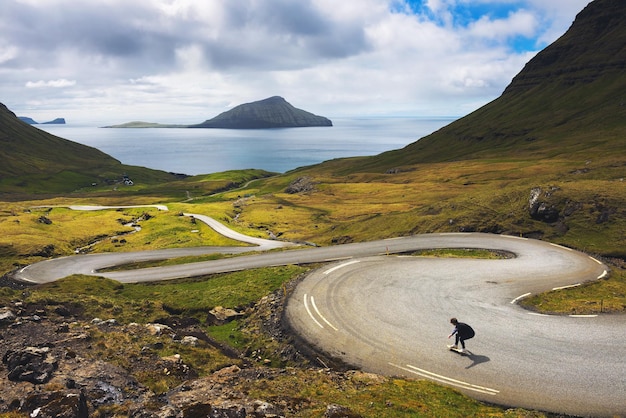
(148, 301)
(463, 253)
(308, 395)
(438, 198)
(29, 233)
(123, 348)
(602, 296)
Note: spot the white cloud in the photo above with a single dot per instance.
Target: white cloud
(156, 59)
(522, 23)
(50, 83)
(7, 53)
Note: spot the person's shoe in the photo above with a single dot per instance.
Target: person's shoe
(462, 350)
(454, 347)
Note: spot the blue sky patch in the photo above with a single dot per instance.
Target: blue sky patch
(465, 13)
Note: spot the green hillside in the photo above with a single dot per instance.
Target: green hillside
(569, 101)
(34, 161)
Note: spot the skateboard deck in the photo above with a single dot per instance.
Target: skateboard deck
(458, 351)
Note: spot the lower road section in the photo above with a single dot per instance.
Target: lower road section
(390, 314)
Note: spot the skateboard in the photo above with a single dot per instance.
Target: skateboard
(458, 351)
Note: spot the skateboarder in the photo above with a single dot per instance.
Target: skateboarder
(462, 332)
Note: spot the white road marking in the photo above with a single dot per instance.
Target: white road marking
(446, 380)
(520, 297)
(328, 260)
(513, 236)
(330, 270)
(560, 246)
(582, 316)
(537, 314)
(320, 314)
(566, 287)
(603, 275)
(306, 306)
(599, 262)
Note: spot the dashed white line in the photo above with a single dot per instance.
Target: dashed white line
(603, 275)
(446, 380)
(537, 314)
(597, 261)
(560, 246)
(582, 316)
(566, 287)
(330, 270)
(514, 237)
(517, 299)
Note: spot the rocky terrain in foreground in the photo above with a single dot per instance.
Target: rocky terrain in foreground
(49, 367)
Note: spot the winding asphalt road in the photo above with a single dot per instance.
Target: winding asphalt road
(389, 313)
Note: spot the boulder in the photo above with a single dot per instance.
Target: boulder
(542, 205)
(56, 405)
(220, 315)
(6, 316)
(31, 364)
(300, 185)
(339, 411)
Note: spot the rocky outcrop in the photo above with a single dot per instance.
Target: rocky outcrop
(220, 315)
(541, 205)
(300, 185)
(58, 373)
(273, 112)
(31, 364)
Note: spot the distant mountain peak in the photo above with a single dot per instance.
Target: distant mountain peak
(273, 112)
(594, 45)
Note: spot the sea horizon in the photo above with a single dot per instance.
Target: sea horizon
(204, 151)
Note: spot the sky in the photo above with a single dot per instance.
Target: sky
(185, 61)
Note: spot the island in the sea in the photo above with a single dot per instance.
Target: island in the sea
(31, 121)
(273, 112)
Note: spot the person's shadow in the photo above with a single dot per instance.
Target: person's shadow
(476, 359)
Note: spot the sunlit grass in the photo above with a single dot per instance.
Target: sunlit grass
(309, 394)
(602, 296)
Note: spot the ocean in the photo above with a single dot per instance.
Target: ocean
(204, 151)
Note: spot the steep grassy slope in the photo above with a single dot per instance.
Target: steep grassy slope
(569, 101)
(34, 161)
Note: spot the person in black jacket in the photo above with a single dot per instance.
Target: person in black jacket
(462, 332)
